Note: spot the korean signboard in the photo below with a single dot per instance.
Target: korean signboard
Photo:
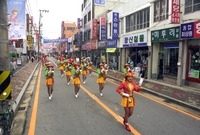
(94, 29)
(137, 39)
(99, 2)
(168, 34)
(102, 30)
(111, 43)
(175, 12)
(115, 25)
(190, 30)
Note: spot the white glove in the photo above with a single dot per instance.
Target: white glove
(125, 94)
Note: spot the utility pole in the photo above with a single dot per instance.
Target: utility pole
(39, 33)
(5, 83)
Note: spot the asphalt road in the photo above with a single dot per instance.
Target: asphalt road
(90, 114)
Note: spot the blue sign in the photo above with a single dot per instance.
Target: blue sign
(187, 30)
(111, 43)
(115, 25)
(55, 40)
(103, 34)
(99, 2)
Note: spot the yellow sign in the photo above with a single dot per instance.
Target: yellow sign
(110, 50)
(29, 39)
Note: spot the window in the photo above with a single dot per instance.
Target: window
(161, 10)
(85, 19)
(194, 64)
(138, 20)
(89, 16)
(192, 6)
(70, 28)
(122, 25)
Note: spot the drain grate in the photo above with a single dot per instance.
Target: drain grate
(21, 108)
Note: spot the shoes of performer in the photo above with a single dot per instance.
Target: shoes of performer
(76, 95)
(101, 94)
(84, 82)
(68, 83)
(49, 97)
(62, 75)
(127, 127)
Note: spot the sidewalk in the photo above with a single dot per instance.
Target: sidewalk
(185, 95)
(21, 80)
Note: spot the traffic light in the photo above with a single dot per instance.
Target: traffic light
(29, 39)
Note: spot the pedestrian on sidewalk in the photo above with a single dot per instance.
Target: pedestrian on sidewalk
(142, 76)
(101, 76)
(126, 90)
(49, 74)
(76, 72)
(13, 67)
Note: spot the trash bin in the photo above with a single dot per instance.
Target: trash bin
(19, 61)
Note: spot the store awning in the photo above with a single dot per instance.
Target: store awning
(111, 50)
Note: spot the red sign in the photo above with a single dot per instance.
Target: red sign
(197, 29)
(93, 44)
(103, 21)
(175, 15)
(94, 29)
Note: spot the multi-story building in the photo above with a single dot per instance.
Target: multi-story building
(68, 29)
(162, 36)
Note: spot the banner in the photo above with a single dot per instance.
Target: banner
(190, 30)
(102, 30)
(94, 28)
(55, 40)
(16, 19)
(99, 2)
(175, 12)
(115, 25)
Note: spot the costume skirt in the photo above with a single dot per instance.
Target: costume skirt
(49, 81)
(100, 80)
(76, 80)
(128, 101)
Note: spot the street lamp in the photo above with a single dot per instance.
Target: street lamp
(39, 37)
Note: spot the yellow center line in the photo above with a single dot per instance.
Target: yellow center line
(35, 106)
(116, 116)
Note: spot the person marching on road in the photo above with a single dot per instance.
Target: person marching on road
(68, 73)
(49, 74)
(84, 71)
(90, 67)
(101, 75)
(61, 68)
(76, 71)
(126, 90)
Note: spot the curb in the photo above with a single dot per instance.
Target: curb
(18, 99)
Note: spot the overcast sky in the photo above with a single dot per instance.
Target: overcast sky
(59, 10)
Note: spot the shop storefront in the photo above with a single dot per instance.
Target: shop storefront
(138, 50)
(165, 43)
(112, 53)
(190, 33)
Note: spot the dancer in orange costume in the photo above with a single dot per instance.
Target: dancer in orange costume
(76, 71)
(84, 72)
(101, 75)
(126, 90)
(68, 73)
(90, 67)
(49, 74)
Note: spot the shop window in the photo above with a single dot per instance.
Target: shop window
(194, 64)
(170, 61)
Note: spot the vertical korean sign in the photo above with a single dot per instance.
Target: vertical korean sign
(94, 29)
(175, 12)
(79, 23)
(16, 19)
(115, 25)
(102, 31)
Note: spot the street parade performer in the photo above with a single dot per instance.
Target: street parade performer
(90, 67)
(126, 90)
(84, 71)
(76, 71)
(101, 76)
(49, 74)
(126, 69)
(68, 73)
